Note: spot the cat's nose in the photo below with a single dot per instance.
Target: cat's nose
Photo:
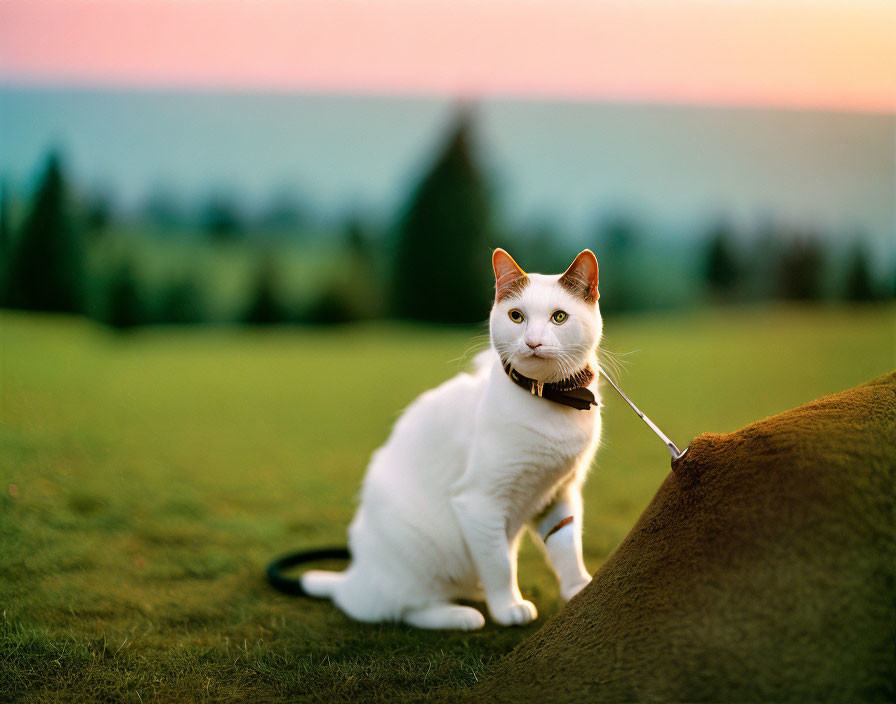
(531, 346)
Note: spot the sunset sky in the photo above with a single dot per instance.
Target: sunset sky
(818, 54)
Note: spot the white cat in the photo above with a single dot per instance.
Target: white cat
(472, 462)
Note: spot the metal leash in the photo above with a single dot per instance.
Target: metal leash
(671, 446)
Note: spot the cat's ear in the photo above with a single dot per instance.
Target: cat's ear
(509, 278)
(581, 277)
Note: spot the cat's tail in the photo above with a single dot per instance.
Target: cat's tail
(315, 583)
(321, 583)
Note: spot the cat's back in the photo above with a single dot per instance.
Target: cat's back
(431, 439)
(444, 415)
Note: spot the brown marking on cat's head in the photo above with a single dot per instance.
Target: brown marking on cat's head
(581, 277)
(510, 280)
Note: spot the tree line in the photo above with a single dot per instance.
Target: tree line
(431, 264)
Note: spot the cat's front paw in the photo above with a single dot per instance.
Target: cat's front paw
(516, 613)
(568, 591)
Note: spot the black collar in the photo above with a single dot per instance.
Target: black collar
(572, 391)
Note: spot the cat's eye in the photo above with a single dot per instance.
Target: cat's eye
(559, 316)
(516, 316)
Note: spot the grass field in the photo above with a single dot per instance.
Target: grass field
(147, 478)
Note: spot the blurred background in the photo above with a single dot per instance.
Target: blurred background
(317, 163)
(236, 238)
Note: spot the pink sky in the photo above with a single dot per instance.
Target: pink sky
(780, 53)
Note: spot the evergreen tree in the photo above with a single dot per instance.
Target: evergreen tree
(721, 269)
(333, 306)
(182, 302)
(859, 283)
(264, 307)
(360, 283)
(801, 268)
(98, 213)
(48, 261)
(221, 218)
(124, 304)
(5, 243)
(442, 270)
(356, 238)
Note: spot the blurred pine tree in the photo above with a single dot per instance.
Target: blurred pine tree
(124, 303)
(5, 243)
(721, 268)
(221, 218)
(801, 269)
(48, 260)
(264, 305)
(859, 282)
(442, 271)
(182, 301)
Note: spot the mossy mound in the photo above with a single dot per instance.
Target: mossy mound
(764, 569)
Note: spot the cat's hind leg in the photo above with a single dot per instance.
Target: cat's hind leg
(350, 592)
(560, 529)
(445, 617)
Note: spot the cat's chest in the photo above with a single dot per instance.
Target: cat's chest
(565, 433)
(551, 435)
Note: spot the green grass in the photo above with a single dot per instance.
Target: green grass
(146, 479)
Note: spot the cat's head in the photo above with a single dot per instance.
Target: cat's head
(547, 327)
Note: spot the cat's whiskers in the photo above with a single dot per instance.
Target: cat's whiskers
(571, 360)
(566, 361)
(477, 344)
(569, 365)
(505, 352)
(612, 363)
